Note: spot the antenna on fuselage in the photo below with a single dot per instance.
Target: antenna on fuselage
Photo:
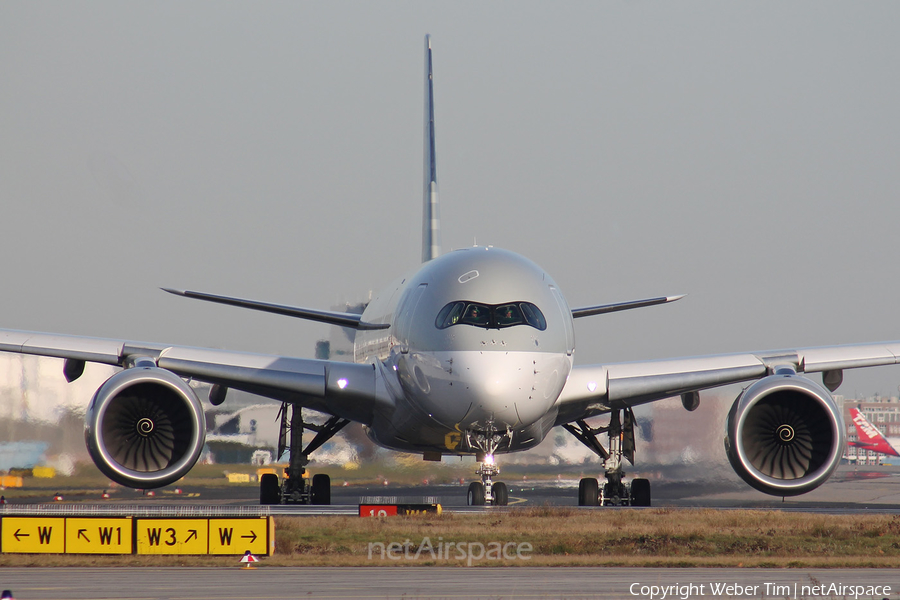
(431, 215)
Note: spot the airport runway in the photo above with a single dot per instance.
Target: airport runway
(851, 489)
(433, 583)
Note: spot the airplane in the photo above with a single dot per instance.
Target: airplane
(869, 436)
(470, 354)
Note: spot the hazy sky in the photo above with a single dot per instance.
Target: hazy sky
(745, 154)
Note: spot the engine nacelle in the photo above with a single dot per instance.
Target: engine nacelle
(785, 435)
(145, 427)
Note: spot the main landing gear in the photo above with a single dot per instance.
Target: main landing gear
(615, 491)
(296, 487)
(487, 491)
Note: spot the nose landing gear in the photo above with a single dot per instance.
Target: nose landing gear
(487, 491)
(615, 491)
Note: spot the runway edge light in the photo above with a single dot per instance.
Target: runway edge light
(248, 559)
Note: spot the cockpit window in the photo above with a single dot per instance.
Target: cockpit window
(476, 314)
(533, 315)
(509, 315)
(487, 316)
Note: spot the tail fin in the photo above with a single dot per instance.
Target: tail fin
(869, 436)
(431, 216)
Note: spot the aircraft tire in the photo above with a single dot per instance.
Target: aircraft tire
(588, 492)
(269, 491)
(640, 492)
(475, 495)
(321, 489)
(500, 493)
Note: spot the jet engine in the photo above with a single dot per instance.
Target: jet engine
(145, 427)
(784, 435)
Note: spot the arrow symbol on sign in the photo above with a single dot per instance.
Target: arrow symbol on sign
(193, 535)
(251, 538)
(82, 535)
(17, 535)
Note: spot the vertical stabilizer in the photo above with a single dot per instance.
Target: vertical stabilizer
(869, 436)
(431, 215)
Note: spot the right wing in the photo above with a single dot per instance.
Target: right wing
(348, 390)
(145, 426)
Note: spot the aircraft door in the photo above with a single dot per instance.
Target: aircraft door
(407, 314)
(568, 323)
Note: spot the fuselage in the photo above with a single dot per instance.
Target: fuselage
(481, 339)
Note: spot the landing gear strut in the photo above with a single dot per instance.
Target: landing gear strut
(487, 491)
(615, 492)
(296, 488)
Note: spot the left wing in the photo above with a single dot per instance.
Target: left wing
(596, 389)
(784, 434)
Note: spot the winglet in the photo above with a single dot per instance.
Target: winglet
(431, 216)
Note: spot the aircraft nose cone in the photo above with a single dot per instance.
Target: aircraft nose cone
(497, 387)
(510, 389)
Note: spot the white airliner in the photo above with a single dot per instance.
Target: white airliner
(472, 354)
(869, 437)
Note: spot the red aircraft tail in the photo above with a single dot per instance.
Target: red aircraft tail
(869, 436)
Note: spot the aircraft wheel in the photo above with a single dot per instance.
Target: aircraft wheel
(588, 492)
(500, 493)
(475, 497)
(321, 489)
(640, 492)
(269, 491)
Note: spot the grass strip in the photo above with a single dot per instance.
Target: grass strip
(560, 536)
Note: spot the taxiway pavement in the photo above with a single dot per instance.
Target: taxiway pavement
(436, 582)
(850, 489)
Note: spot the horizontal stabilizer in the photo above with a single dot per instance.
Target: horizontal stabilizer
(323, 316)
(608, 308)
